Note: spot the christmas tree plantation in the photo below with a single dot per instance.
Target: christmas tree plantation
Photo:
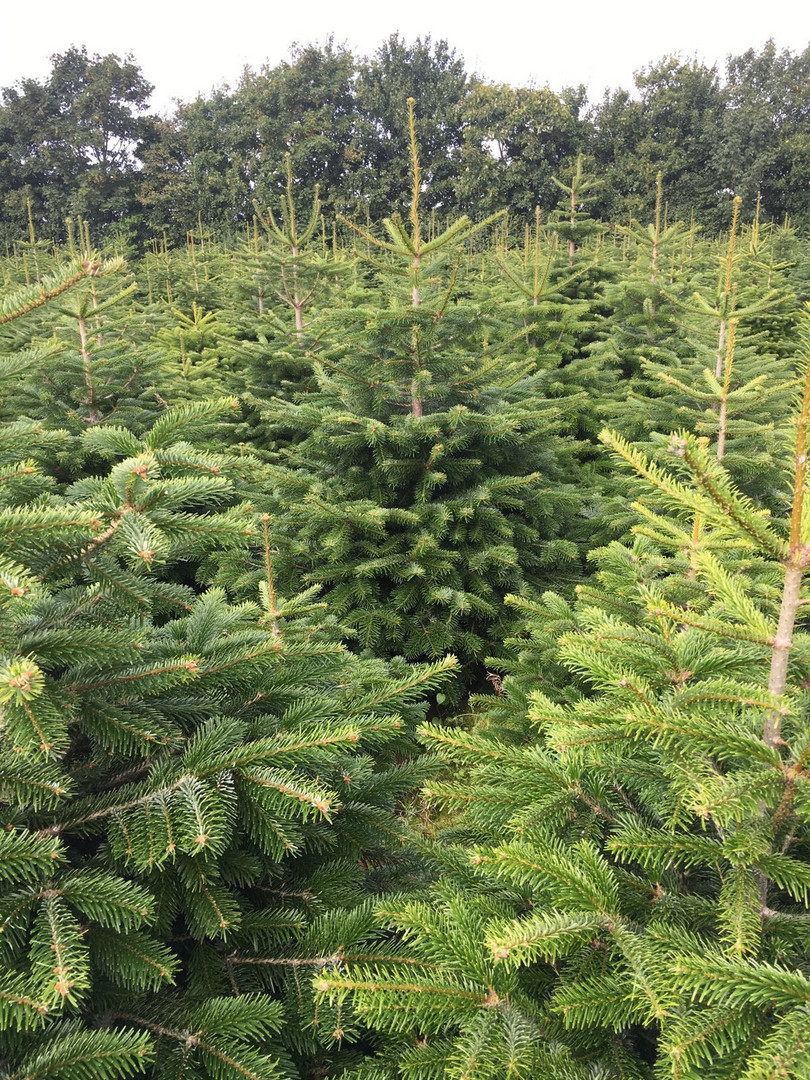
(425, 475)
(625, 890)
(365, 712)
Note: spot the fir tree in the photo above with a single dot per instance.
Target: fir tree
(425, 479)
(289, 273)
(571, 219)
(560, 309)
(193, 351)
(84, 371)
(636, 898)
(724, 370)
(296, 269)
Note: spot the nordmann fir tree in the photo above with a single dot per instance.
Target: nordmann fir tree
(174, 768)
(193, 351)
(297, 266)
(285, 274)
(641, 324)
(571, 219)
(726, 370)
(83, 367)
(637, 900)
(17, 358)
(560, 312)
(425, 479)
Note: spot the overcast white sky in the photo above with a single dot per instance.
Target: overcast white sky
(185, 48)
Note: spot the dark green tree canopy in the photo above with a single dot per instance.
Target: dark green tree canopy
(766, 128)
(431, 73)
(304, 107)
(672, 126)
(80, 141)
(515, 140)
(70, 143)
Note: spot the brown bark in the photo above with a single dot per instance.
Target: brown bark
(93, 413)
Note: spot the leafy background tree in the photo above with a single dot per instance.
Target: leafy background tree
(432, 74)
(70, 142)
(765, 135)
(79, 142)
(515, 140)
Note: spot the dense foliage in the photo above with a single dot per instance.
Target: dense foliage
(362, 716)
(82, 143)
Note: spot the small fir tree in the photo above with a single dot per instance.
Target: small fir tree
(571, 218)
(82, 369)
(719, 367)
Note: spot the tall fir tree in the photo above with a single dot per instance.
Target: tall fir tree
(425, 478)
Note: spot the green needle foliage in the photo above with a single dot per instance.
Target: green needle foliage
(286, 275)
(642, 324)
(288, 266)
(80, 369)
(190, 787)
(637, 889)
(425, 477)
(716, 361)
(193, 351)
(534, 289)
(571, 220)
(233, 849)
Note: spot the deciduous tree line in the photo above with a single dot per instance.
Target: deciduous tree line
(83, 142)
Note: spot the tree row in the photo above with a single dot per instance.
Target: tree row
(82, 143)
